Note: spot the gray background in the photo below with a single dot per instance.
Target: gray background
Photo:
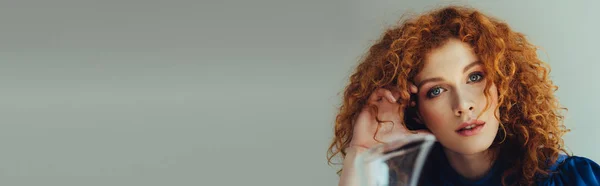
(183, 92)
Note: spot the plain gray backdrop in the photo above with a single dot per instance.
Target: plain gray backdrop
(184, 92)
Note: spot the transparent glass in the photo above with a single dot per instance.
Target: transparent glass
(398, 163)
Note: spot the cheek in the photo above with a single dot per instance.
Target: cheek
(494, 99)
(494, 93)
(435, 114)
(493, 96)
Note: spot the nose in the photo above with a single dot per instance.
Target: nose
(464, 105)
(463, 110)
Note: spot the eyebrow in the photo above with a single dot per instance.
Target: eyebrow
(471, 65)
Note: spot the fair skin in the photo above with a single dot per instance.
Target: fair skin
(451, 86)
(365, 128)
(450, 92)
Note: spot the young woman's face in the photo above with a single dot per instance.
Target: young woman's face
(451, 97)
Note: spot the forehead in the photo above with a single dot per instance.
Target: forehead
(450, 58)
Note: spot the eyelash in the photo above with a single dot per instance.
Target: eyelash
(431, 91)
(478, 73)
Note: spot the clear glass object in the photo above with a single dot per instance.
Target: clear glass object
(398, 163)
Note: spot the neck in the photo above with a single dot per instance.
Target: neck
(470, 166)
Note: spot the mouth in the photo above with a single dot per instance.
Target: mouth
(470, 128)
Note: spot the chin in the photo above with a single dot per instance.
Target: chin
(469, 148)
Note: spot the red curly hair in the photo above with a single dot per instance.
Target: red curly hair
(531, 130)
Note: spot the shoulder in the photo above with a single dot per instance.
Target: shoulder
(573, 170)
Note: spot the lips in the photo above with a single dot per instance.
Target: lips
(470, 123)
(470, 127)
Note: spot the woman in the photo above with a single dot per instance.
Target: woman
(475, 84)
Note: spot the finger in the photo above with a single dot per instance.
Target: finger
(380, 93)
(390, 97)
(374, 97)
(413, 88)
(396, 91)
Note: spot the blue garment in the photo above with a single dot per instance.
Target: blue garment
(567, 170)
(573, 170)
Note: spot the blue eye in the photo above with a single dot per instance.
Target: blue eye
(475, 77)
(434, 92)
